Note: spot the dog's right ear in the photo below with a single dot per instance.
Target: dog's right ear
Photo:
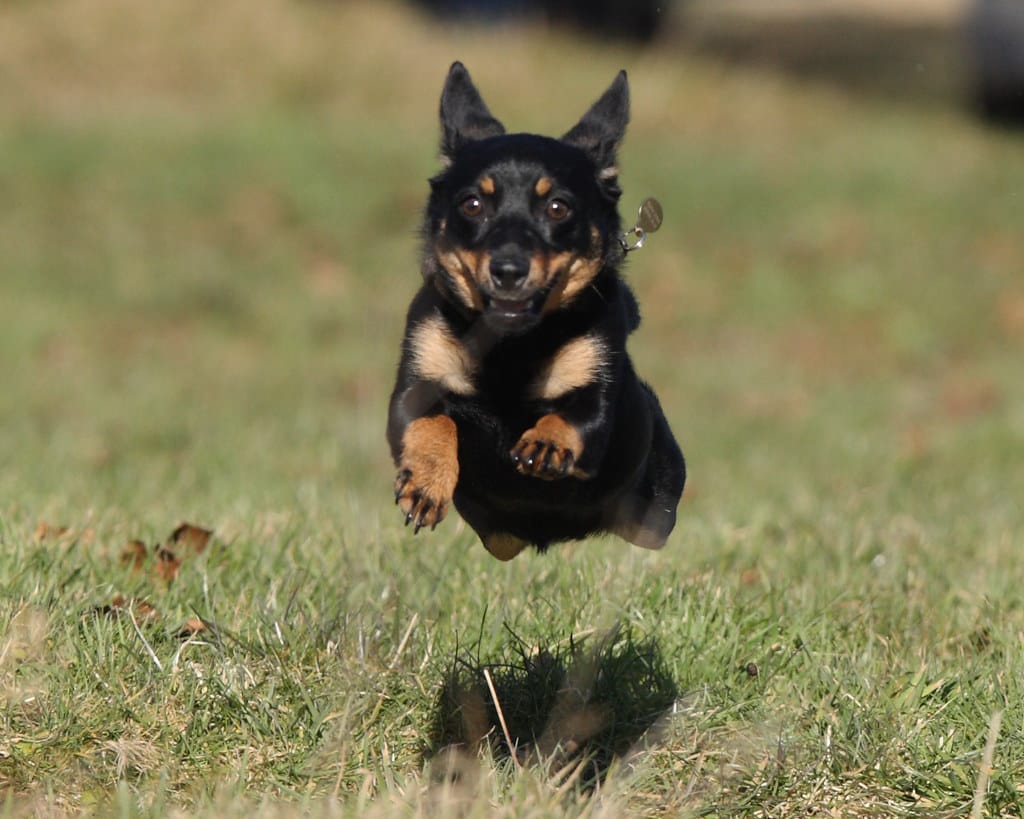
(464, 116)
(599, 133)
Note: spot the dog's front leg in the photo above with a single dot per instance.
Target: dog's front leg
(569, 439)
(424, 443)
(550, 449)
(428, 470)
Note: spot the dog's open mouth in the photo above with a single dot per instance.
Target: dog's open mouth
(511, 307)
(513, 314)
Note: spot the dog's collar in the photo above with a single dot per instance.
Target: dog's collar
(648, 219)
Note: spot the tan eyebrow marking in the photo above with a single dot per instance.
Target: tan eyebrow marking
(487, 185)
(543, 186)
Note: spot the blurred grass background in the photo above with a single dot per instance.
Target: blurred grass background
(208, 243)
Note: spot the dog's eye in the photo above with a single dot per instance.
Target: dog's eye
(472, 206)
(557, 210)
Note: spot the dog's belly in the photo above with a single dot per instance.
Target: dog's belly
(493, 497)
(521, 511)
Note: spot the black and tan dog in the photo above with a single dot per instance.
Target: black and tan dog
(515, 397)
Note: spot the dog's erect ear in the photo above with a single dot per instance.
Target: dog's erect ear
(464, 116)
(600, 131)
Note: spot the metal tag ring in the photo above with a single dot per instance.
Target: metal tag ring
(641, 237)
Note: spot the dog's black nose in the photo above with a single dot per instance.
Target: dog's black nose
(509, 270)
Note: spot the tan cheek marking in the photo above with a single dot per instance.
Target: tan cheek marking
(581, 272)
(439, 357)
(487, 185)
(543, 186)
(544, 267)
(463, 267)
(537, 275)
(578, 363)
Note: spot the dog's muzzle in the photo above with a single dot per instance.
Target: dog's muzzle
(509, 271)
(510, 305)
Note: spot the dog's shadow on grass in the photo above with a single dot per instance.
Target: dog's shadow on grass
(574, 707)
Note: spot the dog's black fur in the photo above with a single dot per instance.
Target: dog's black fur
(515, 397)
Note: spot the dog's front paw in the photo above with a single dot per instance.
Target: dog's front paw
(428, 471)
(423, 501)
(549, 450)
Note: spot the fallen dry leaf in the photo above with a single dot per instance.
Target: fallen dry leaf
(191, 627)
(750, 577)
(190, 538)
(46, 531)
(134, 554)
(143, 610)
(167, 565)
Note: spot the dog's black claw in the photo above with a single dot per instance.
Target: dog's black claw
(400, 482)
(567, 464)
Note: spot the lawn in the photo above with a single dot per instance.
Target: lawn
(208, 219)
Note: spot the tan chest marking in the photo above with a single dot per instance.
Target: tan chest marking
(439, 356)
(578, 363)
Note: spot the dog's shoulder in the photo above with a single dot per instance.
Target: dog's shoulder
(433, 349)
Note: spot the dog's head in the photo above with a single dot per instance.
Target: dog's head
(518, 225)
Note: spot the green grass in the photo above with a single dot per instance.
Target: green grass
(208, 241)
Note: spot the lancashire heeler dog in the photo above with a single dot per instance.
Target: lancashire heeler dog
(515, 397)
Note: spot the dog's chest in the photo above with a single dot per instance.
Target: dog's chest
(519, 370)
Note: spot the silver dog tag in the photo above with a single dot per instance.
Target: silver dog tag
(650, 215)
(648, 220)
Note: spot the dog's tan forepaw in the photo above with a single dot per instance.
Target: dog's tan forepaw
(428, 471)
(549, 450)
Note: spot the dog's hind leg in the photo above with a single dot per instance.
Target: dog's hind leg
(646, 515)
(643, 521)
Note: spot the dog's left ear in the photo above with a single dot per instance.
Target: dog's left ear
(464, 115)
(599, 133)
